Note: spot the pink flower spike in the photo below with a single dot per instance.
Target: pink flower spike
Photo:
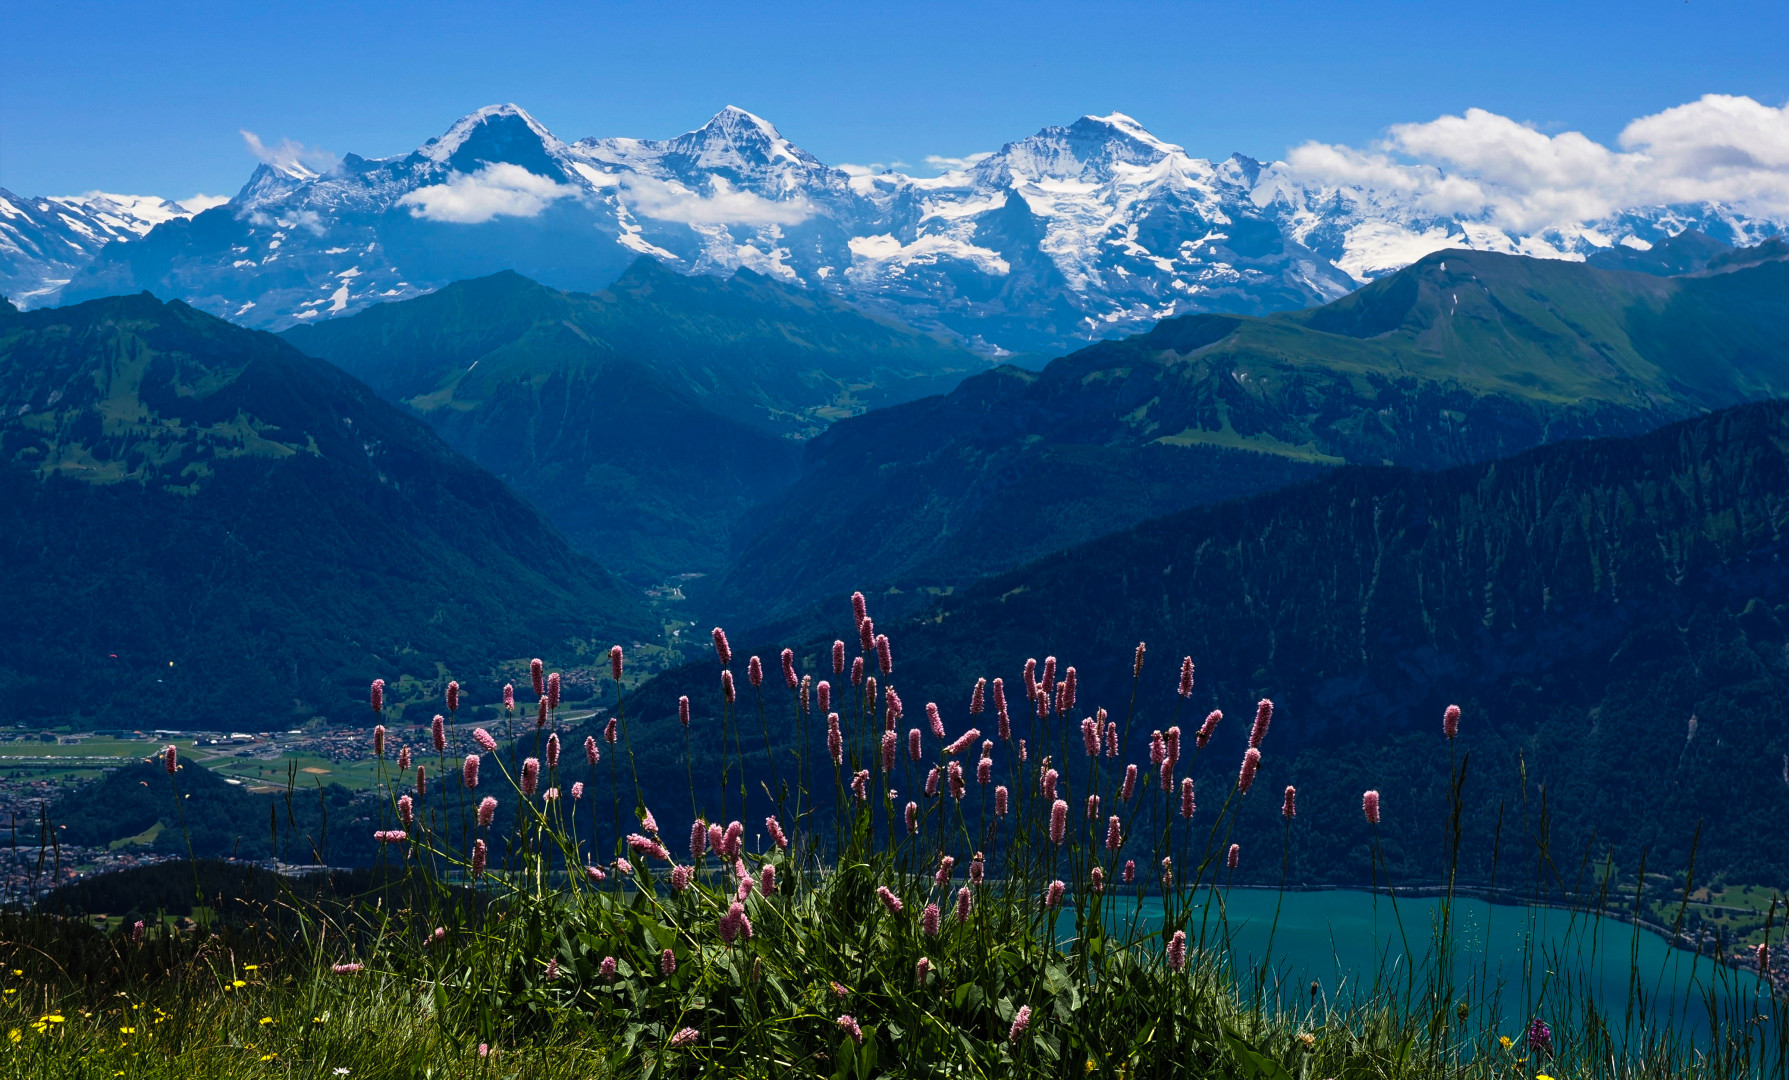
(835, 740)
(1369, 806)
(484, 740)
(487, 810)
(537, 671)
(1130, 783)
(611, 731)
(667, 962)
(860, 785)
(592, 754)
(1251, 762)
(540, 712)
(963, 905)
(595, 874)
(422, 782)
(823, 695)
(767, 879)
(922, 970)
(606, 970)
(946, 866)
(479, 855)
(984, 771)
(1099, 879)
(1090, 737)
(857, 671)
(754, 672)
(553, 690)
(954, 776)
(1093, 808)
(775, 829)
(889, 899)
(1053, 897)
(838, 659)
(1114, 833)
(377, 695)
(727, 691)
(438, 733)
(1058, 822)
(1210, 725)
(553, 750)
(721, 650)
(1263, 717)
(685, 1037)
(849, 1027)
(379, 740)
(929, 919)
(789, 669)
(1289, 808)
(406, 810)
(1130, 871)
(615, 662)
(509, 696)
(1137, 664)
(1450, 722)
(1021, 1021)
(891, 745)
(1235, 856)
(1000, 801)
(1067, 697)
(683, 711)
(963, 742)
(884, 658)
(914, 749)
(1177, 951)
(530, 775)
(1187, 806)
(977, 697)
(469, 772)
(1186, 677)
(577, 790)
(912, 818)
(717, 840)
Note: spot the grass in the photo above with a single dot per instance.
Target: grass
(902, 935)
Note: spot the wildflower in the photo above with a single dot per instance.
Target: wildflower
(403, 759)
(976, 868)
(1047, 778)
(685, 1036)
(1114, 833)
(1369, 805)
(1171, 744)
(611, 731)
(537, 672)
(509, 697)
(860, 785)
(667, 962)
(963, 741)
(1210, 725)
(487, 810)
(892, 709)
(857, 671)
(1167, 872)
(1762, 954)
(727, 692)
(1263, 717)
(478, 858)
(1251, 761)
(1111, 736)
(884, 659)
(1177, 951)
(624, 868)
(1158, 748)
(683, 711)
(615, 662)
(775, 829)
(1450, 721)
(954, 774)
(530, 775)
(1000, 801)
(1187, 806)
(540, 713)
(1093, 808)
(171, 759)
(1049, 680)
(591, 753)
(1540, 1036)
(553, 750)
(789, 669)
(849, 1027)
(912, 818)
(730, 841)
(932, 783)
(553, 690)
(136, 932)
(767, 878)
(1235, 855)
(1090, 734)
(577, 791)
(379, 740)
(595, 874)
(469, 772)
(717, 839)
(928, 920)
(1065, 694)
(1167, 776)
(835, 741)
(1099, 879)
(406, 810)
(606, 970)
(553, 970)
(866, 634)
(1000, 713)
(484, 739)
(378, 695)
(945, 866)
(1186, 677)
(1021, 1021)
(1289, 808)
(838, 660)
(1058, 821)
(1130, 783)
(984, 771)
(1130, 871)
(888, 898)
(754, 672)
(1031, 679)
(922, 970)
(346, 969)
(680, 877)
(1053, 897)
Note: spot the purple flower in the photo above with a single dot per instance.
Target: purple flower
(685, 1037)
(487, 810)
(377, 695)
(1021, 1021)
(1177, 951)
(888, 898)
(849, 1027)
(928, 920)
(469, 772)
(438, 733)
(484, 740)
(530, 775)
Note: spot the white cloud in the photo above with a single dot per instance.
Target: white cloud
(198, 204)
(497, 190)
(727, 205)
(1719, 148)
(955, 164)
(289, 155)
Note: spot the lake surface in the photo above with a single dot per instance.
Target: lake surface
(1512, 962)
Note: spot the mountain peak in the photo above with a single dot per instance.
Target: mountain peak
(495, 133)
(1131, 129)
(734, 138)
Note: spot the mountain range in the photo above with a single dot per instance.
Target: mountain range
(204, 526)
(1073, 234)
(1464, 356)
(646, 419)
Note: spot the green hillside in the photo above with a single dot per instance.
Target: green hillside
(1464, 356)
(1611, 615)
(644, 419)
(204, 527)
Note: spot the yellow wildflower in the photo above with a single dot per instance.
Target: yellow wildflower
(14, 1035)
(270, 1057)
(267, 1019)
(1506, 1042)
(127, 1030)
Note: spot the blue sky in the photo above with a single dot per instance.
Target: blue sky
(150, 98)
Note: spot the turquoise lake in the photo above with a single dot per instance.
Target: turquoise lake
(1513, 962)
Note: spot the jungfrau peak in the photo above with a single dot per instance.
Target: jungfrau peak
(1075, 233)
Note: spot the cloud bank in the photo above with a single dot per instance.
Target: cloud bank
(499, 190)
(726, 205)
(1481, 165)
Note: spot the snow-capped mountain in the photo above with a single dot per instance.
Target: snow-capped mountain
(1068, 235)
(46, 241)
